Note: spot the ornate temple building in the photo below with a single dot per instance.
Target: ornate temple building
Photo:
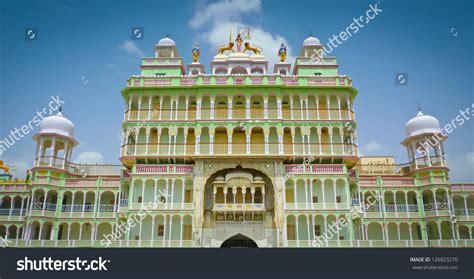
(240, 156)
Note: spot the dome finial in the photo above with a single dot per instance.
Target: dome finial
(419, 107)
(60, 108)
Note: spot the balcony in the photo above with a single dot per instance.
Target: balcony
(316, 169)
(237, 80)
(239, 207)
(236, 113)
(78, 169)
(162, 169)
(241, 149)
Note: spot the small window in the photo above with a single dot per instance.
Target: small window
(137, 237)
(315, 199)
(140, 199)
(338, 199)
(341, 237)
(317, 230)
(161, 230)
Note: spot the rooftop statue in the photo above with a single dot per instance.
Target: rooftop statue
(196, 52)
(282, 52)
(254, 48)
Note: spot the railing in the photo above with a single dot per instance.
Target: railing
(123, 202)
(107, 208)
(315, 169)
(79, 169)
(155, 169)
(12, 186)
(382, 243)
(144, 81)
(310, 114)
(462, 187)
(239, 207)
(437, 206)
(287, 149)
(463, 212)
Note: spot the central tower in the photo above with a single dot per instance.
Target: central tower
(226, 144)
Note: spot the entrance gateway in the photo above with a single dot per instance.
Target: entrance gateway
(239, 241)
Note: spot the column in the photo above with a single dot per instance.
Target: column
(324, 195)
(339, 107)
(317, 107)
(44, 202)
(265, 108)
(212, 107)
(297, 232)
(154, 192)
(166, 191)
(335, 195)
(398, 230)
(435, 202)
(279, 108)
(139, 107)
(181, 231)
(307, 108)
(229, 108)
(172, 192)
(291, 108)
(406, 203)
(328, 103)
(307, 226)
(247, 135)
(171, 230)
(229, 143)
(198, 108)
(143, 194)
(84, 204)
(140, 232)
(306, 193)
(53, 145)
(129, 108)
(266, 144)
(160, 100)
(311, 193)
(295, 196)
(153, 229)
(211, 145)
(164, 231)
(182, 195)
(280, 144)
(247, 108)
(186, 109)
(147, 135)
(149, 107)
(198, 142)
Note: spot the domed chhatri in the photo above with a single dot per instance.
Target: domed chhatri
(311, 41)
(166, 41)
(57, 124)
(420, 124)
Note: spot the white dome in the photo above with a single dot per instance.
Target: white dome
(166, 42)
(421, 124)
(311, 41)
(57, 124)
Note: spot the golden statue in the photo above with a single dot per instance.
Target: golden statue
(196, 52)
(282, 52)
(4, 167)
(255, 49)
(221, 49)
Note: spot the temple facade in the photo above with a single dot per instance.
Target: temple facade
(240, 156)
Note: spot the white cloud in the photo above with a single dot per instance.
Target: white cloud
(372, 146)
(461, 167)
(131, 48)
(218, 19)
(226, 10)
(89, 157)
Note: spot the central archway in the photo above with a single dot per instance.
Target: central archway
(239, 241)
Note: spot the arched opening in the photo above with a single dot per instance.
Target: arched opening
(239, 241)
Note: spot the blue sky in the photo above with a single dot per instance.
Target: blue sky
(83, 51)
